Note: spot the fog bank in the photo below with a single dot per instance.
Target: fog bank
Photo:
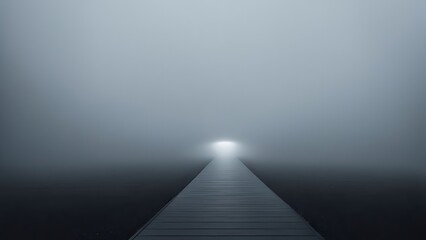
(93, 85)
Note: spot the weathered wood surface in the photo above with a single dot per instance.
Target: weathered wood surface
(227, 201)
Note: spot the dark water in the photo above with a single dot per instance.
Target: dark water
(112, 206)
(340, 205)
(359, 205)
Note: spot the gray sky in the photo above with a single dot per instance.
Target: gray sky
(117, 82)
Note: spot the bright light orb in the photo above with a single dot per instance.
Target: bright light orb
(225, 148)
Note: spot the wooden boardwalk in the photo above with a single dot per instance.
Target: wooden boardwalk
(226, 201)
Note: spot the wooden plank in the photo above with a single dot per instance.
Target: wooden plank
(230, 219)
(228, 232)
(196, 225)
(227, 201)
(228, 238)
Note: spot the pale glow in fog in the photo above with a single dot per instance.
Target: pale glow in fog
(225, 148)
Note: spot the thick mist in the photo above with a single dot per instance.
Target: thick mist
(97, 83)
(132, 91)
